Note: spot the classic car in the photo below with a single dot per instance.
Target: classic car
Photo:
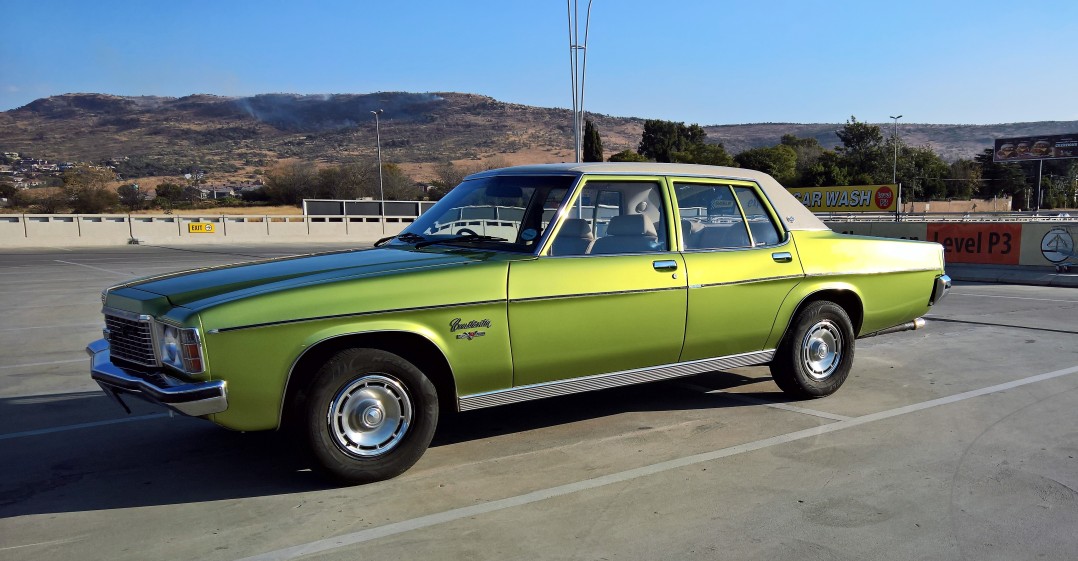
(522, 283)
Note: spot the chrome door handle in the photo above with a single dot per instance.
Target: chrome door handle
(665, 265)
(782, 257)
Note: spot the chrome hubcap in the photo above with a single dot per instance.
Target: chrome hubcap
(821, 349)
(370, 415)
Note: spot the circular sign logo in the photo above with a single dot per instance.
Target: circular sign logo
(1057, 245)
(884, 197)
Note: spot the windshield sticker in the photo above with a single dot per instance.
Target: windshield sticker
(528, 235)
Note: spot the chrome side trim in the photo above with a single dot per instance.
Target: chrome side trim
(610, 380)
(749, 281)
(591, 294)
(354, 314)
(864, 274)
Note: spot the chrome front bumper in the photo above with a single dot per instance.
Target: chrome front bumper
(195, 399)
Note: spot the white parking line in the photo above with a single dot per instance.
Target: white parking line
(66, 428)
(50, 363)
(952, 293)
(404, 526)
(65, 326)
(94, 268)
(756, 401)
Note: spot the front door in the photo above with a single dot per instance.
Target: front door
(608, 295)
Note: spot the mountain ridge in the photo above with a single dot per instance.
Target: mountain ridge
(241, 133)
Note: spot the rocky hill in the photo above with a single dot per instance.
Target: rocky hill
(166, 136)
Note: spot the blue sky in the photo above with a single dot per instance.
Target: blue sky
(707, 62)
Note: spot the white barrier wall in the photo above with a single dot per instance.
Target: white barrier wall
(1001, 243)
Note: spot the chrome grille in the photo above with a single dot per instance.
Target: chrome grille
(131, 340)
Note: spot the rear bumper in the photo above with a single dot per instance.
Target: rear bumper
(939, 290)
(193, 399)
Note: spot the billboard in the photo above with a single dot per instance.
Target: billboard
(856, 198)
(1045, 147)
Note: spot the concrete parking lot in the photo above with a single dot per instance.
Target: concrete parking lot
(954, 442)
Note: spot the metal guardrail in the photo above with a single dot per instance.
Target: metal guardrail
(1060, 216)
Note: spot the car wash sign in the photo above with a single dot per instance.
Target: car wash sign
(858, 198)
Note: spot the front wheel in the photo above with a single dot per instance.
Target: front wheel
(370, 415)
(816, 355)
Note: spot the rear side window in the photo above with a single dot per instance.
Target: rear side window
(761, 227)
(723, 217)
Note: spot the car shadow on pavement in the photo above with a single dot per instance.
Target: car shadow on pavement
(152, 459)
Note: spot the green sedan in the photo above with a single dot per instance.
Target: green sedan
(522, 283)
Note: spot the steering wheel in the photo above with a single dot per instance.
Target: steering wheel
(466, 232)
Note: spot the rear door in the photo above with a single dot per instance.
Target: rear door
(740, 263)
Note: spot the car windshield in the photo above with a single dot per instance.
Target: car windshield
(501, 212)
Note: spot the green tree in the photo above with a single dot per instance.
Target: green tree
(289, 184)
(807, 152)
(131, 196)
(965, 178)
(779, 162)
(169, 192)
(347, 181)
(661, 139)
(627, 156)
(862, 152)
(593, 144)
(87, 190)
(705, 154)
(922, 172)
(828, 170)
(1002, 179)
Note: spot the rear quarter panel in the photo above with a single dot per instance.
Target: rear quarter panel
(892, 278)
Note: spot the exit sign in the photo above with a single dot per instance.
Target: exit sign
(200, 228)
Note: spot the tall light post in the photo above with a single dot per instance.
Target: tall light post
(578, 64)
(894, 139)
(381, 191)
(894, 171)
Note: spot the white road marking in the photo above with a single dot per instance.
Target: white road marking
(65, 326)
(764, 402)
(51, 542)
(404, 526)
(65, 428)
(50, 363)
(952, 293)
(95, 268)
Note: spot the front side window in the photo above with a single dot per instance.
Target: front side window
(611, 217)
(501, 212)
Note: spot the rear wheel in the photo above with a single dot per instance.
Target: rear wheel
(370, 415)
(816, 355)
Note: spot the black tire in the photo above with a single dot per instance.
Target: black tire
(817, 352)
(369, 416)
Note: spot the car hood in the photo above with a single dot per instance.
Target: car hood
(201, 287)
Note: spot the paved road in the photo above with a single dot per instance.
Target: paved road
(954, 442)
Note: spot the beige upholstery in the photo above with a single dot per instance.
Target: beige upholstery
(574, 238)
(720, 236)
(628, 233)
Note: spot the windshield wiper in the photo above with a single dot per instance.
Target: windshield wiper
(461, 238)
(406, 237)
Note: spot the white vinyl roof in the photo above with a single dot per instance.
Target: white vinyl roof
(794, 214)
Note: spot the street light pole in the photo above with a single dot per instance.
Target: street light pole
(894, 139)
(381, 191)
(578, 68)
(894, 170)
